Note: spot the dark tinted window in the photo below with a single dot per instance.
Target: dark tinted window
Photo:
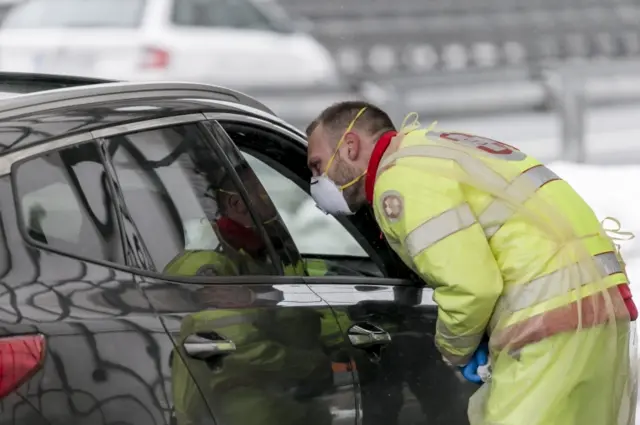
(65, 203)
(185, 205)
(219, 13)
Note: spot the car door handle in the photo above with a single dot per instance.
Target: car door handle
(202, 348)
(365, 335)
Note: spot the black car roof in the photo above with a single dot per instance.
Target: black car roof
(24, 92)
(38, 108)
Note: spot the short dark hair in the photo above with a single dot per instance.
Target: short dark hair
(337, 117)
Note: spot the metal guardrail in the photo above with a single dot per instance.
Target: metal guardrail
(567, 90)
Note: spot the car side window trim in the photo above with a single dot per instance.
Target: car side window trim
(147, 125)
(10, 159)
(14, 159)
(274, 125)
(22, 228)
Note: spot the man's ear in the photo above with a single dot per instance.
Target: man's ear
(353, 144)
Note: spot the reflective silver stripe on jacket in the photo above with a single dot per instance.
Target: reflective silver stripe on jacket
(453, 359)
(520, 189)
(555, 284)
(457, 342)
(439, 227)
(472, 165)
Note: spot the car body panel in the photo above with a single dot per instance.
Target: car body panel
(87, 312)
(34, 118)
(281, 370)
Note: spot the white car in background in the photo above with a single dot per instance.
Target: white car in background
(234, 43)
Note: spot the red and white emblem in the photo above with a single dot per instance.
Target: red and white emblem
(487, 146)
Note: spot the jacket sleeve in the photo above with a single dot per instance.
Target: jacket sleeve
(428, 222)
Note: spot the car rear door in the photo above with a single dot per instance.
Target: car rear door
(387, 317)
(253, 344)
(79, 342)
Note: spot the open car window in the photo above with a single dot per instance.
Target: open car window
(279, 161)
(313, 231)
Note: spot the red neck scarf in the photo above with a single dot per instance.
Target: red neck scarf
(239, 237)
(376, 156)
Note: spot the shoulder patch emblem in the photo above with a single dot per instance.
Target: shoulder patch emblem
(392, 205)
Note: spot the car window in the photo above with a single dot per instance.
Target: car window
(75, 14)
(219, 13)
(312, 231)
(65, 204)
(185, 205)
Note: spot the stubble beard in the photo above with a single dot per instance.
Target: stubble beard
(354, 194)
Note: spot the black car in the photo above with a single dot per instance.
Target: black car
(161, 262)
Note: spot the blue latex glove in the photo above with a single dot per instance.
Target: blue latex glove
(479, 358)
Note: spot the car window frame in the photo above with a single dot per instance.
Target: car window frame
(292, 176)
(261, 151)
(218, 137)
(300, 141)
(13, 159)
(17, 204)
(211, 141)
(16, 158)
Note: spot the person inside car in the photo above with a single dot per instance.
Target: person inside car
(241, 248)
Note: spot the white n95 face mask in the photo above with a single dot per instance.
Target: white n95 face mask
(328, 196)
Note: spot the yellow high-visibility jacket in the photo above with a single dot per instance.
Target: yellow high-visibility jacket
(501, 238)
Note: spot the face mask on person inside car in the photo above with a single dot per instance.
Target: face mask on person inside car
(329, 196)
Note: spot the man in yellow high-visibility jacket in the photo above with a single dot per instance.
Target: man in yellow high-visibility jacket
(513, 253)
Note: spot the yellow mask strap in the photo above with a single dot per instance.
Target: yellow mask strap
(615, 234)
(411, 123)
(349, 128)
(352, 182)
(614, 231)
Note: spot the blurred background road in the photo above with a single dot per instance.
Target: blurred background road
(558, 78)
(556, 75)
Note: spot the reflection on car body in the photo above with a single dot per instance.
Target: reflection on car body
(138, 309)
